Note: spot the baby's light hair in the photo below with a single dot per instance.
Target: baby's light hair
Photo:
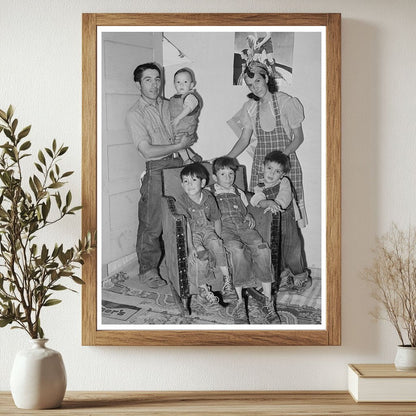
(186, 70)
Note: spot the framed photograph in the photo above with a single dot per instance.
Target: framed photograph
(246, 85)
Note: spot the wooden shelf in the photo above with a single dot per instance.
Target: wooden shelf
(221, 403)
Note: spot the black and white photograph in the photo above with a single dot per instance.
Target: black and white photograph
(211, 178)
(274, 49)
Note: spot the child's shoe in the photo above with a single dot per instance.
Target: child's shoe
(207, 299)
(301, 282)
(240, 314)
(192, 157)
(270, 313)
(286, 281)
(228, 291)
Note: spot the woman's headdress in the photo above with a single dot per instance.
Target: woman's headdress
(255, 67)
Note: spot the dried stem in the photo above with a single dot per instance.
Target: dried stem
(393, 277)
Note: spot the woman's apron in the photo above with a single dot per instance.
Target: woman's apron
(277, 139)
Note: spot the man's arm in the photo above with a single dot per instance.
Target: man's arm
(141, 139)
(150, 151)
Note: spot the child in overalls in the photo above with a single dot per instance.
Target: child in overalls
(275, 194)
(184, 108)
(203, 228)
(249, 253)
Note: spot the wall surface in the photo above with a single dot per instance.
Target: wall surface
(40, 74)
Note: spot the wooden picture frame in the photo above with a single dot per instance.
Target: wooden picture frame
(331, 309)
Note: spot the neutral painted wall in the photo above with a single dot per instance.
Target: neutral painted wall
(40, 73)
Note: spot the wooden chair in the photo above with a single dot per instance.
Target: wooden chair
(175, 238)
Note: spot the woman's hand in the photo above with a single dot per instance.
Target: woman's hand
(242, 143)
(297, 140)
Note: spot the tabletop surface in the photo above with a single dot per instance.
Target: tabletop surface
(206, 403)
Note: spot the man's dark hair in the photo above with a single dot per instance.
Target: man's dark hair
(138, 72)
(224, 162)
(278, 157)
(195, 169)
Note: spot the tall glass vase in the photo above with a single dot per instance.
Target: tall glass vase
(38, 377)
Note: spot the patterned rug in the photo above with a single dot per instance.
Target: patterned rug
(126, 302)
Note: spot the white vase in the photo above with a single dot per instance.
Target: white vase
(405, 358)
(38, 377)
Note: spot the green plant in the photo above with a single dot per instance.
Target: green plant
(30, 273)
(393, 277)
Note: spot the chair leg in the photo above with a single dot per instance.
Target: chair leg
(256, 295)
(181, 303)
(275, 247)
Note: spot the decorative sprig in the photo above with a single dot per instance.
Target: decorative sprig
(393, 277)
(31, 274)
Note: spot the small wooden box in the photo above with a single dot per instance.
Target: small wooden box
(381, 383)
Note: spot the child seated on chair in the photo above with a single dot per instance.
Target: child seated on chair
(249, 253)
(184, 108)
(275, 194)
(203, 227)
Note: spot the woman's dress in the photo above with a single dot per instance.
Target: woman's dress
(288, 113)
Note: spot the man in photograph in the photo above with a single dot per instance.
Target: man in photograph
(150, 127)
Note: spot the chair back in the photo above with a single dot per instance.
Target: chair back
(172, 180)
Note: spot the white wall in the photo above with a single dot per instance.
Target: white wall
(40, 73)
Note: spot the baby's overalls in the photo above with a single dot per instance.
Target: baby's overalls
(189, 123)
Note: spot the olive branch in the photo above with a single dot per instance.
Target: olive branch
(30, 274)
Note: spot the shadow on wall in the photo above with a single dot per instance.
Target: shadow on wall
(360, 179)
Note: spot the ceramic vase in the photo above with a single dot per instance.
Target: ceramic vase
(38, 377)
(405, 358)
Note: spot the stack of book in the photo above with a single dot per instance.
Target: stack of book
(381, 383)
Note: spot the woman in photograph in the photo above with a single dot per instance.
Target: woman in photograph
(275, 119)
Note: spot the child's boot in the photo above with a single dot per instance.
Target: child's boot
(269, 312)
(240, 313)
(301, 282)
(228, 291)
(192, 157)
(286, 281)
(207, 299)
